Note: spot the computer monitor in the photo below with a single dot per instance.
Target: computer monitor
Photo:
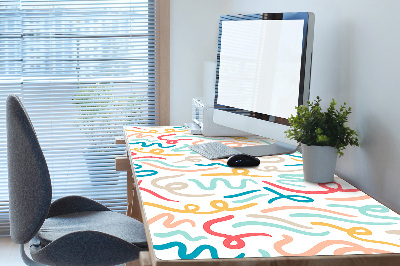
(263, 73)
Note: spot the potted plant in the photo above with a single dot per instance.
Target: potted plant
(323, 135)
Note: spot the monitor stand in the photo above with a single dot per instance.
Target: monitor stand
(275, 148)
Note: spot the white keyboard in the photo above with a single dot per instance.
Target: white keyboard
(214, 150)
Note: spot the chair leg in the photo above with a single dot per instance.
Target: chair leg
(26, 259)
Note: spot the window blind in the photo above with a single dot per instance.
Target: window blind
(83, 69)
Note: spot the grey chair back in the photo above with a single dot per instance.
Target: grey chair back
(28, 176)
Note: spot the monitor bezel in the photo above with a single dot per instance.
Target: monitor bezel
(305, 69)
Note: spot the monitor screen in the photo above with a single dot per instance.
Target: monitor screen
(260, 63)
(263, 71)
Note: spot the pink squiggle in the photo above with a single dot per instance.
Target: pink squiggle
(304, 208)
(365, 197)
(229, 239)
(198, 141)
(169, 222)
(278, 246)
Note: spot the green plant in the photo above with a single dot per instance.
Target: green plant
(312, 126)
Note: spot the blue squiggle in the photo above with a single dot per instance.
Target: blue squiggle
(335, 218)
(211, 164)
(213, 183)
(241, 224)
(182, 250)
(250, 198)
(144, 144)
(298, 164)
(180, 232)
(143, 173)
(242, 194)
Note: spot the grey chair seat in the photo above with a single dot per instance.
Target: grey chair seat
(107, 222)
(72, 230)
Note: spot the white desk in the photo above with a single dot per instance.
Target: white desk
(199, 211)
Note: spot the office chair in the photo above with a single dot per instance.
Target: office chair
(70, 231)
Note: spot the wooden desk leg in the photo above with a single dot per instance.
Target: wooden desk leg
(144, 260)
(132, 198)
(129, 192)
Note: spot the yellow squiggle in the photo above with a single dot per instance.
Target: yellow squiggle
(193, 208)
(172, 130)
(155, 152)
(353, 231)
(236, 172)
(152, 131)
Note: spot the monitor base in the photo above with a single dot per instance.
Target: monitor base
(268, 150)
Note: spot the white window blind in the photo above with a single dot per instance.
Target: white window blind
(83, 69)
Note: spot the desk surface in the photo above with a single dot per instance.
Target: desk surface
(200, 209)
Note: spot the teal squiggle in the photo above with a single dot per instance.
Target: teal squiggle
(250, 198)
(182, 250)
(147, 140)
(213, 183)
(180, 232)
(336, 218)
(369, 208)
(184, 148)
(163, 163)
(242, 194)
(241, 224)
(264, 253)
(289, 179)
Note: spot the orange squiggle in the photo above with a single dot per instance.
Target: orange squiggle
(354, 231)
(168, 223)
(139, 135)
(350, 198)
(180, 170)
(320, 246)
(304, 208)
(198, 141)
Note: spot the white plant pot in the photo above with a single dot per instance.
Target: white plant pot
(319, 163)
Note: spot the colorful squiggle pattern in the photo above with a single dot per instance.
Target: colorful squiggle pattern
(200, 209)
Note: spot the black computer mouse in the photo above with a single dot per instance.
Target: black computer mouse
(242, 160)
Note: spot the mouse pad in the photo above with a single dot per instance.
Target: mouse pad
(200, 209)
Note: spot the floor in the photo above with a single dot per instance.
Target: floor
(10, 256)
(9, 253)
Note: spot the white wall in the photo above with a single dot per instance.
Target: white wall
(194, 41)
(356, 59)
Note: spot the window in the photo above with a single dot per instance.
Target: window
(83, 69)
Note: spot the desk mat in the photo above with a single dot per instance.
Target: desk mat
(197, 208)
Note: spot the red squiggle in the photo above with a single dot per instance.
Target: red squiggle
(229, 238)
(156, 194)
(170, 141)
(139, 182)
(169, 221)
(320, 246)
(327, 191)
